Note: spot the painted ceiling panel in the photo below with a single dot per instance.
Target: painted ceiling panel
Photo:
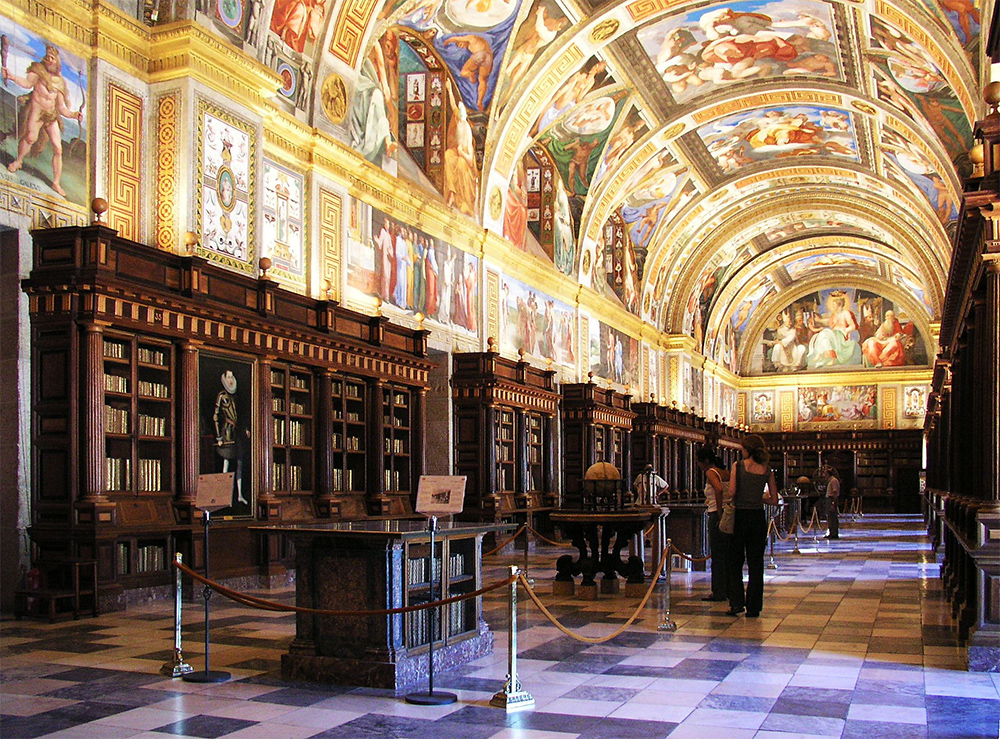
(706, 137)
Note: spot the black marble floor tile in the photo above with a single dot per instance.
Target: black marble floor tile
(298, 696)
(206, 727)
(593, 664)
(882, 730)
(601, 693)
(964, 717)
(639, 671)
(461, 682)
(472, 714)
(379, 725)
(737, 703)
(825, 709)
(85, 674)
(623, 728)
(702, 669)
(29, 727)
(557, 649)
(544, 721)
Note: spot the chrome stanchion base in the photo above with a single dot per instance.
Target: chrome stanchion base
(667, 625)
(513, 698)
(177, 667)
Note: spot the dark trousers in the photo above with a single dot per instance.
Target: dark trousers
(747, 544)
(833, 517)
(719, 545)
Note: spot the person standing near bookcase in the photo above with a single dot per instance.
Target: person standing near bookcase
(230, 437)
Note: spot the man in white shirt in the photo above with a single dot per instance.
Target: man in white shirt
(648, 486)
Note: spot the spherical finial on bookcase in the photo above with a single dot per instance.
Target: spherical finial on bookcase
(991, 94)
(265, 265)
(491, 345)
(100, 207)
(190, 242)
(977, 155)
(590, 377)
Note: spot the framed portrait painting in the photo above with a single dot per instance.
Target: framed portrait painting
(227, 438)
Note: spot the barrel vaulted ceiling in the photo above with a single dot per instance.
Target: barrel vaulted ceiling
(701, 164)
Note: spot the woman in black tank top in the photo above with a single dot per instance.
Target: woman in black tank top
(747, 482)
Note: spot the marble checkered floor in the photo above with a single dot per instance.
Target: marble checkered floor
(854, 641)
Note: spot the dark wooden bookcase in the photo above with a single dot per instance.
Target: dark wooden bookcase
(596, 427)
(504, 435)
(122, 423)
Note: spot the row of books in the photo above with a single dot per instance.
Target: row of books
(149, 475)
(153, 389)
(417, 570)
(394, 480)
(117, 473)
(152, 356)
(299, 408)
(115, 383)
(353, 443)
(114, 350)
(152, 425)
(296, 432)
(283, 476)
(149, 558)
(397, 422)
(418, 623)
(298, 382)
(395, 446)
(338, 479)
(115, 420)
(399, 399)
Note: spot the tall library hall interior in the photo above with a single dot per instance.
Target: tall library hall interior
(500, 369)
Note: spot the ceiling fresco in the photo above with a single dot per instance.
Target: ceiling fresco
(658, 151)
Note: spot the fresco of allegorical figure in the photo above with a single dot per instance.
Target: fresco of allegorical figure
(841, 328)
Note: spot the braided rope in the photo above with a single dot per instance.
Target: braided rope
(549, 541)
(688, 557)
(516, 534)
(594, 639)
(270, 605)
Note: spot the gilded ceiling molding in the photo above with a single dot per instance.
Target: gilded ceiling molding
(187, 50)
(761, 100)
(794, 380)
(68, 23)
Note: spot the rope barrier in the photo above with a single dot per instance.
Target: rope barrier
(549, 541)
(516, 534)
(270, 605)
(595, 639)
(688, 557)
(814, 521)
(786, 537)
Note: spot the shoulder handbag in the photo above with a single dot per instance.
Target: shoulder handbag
(727, 521)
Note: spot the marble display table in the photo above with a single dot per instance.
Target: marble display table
(375, 565)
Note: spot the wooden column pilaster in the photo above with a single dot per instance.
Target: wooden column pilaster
(187, 428)
(92, 443)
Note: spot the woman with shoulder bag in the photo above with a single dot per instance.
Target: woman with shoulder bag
(747, 482)
(716, 477)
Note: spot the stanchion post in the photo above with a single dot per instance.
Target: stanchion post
(177, 667)
(441, 697)
(772, 530)
(513, 697)
(668, 623)
(815, 526)
(207, 675)
(795, 525)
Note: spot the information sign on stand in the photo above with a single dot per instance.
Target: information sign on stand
(215, 491)
(437, 495)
